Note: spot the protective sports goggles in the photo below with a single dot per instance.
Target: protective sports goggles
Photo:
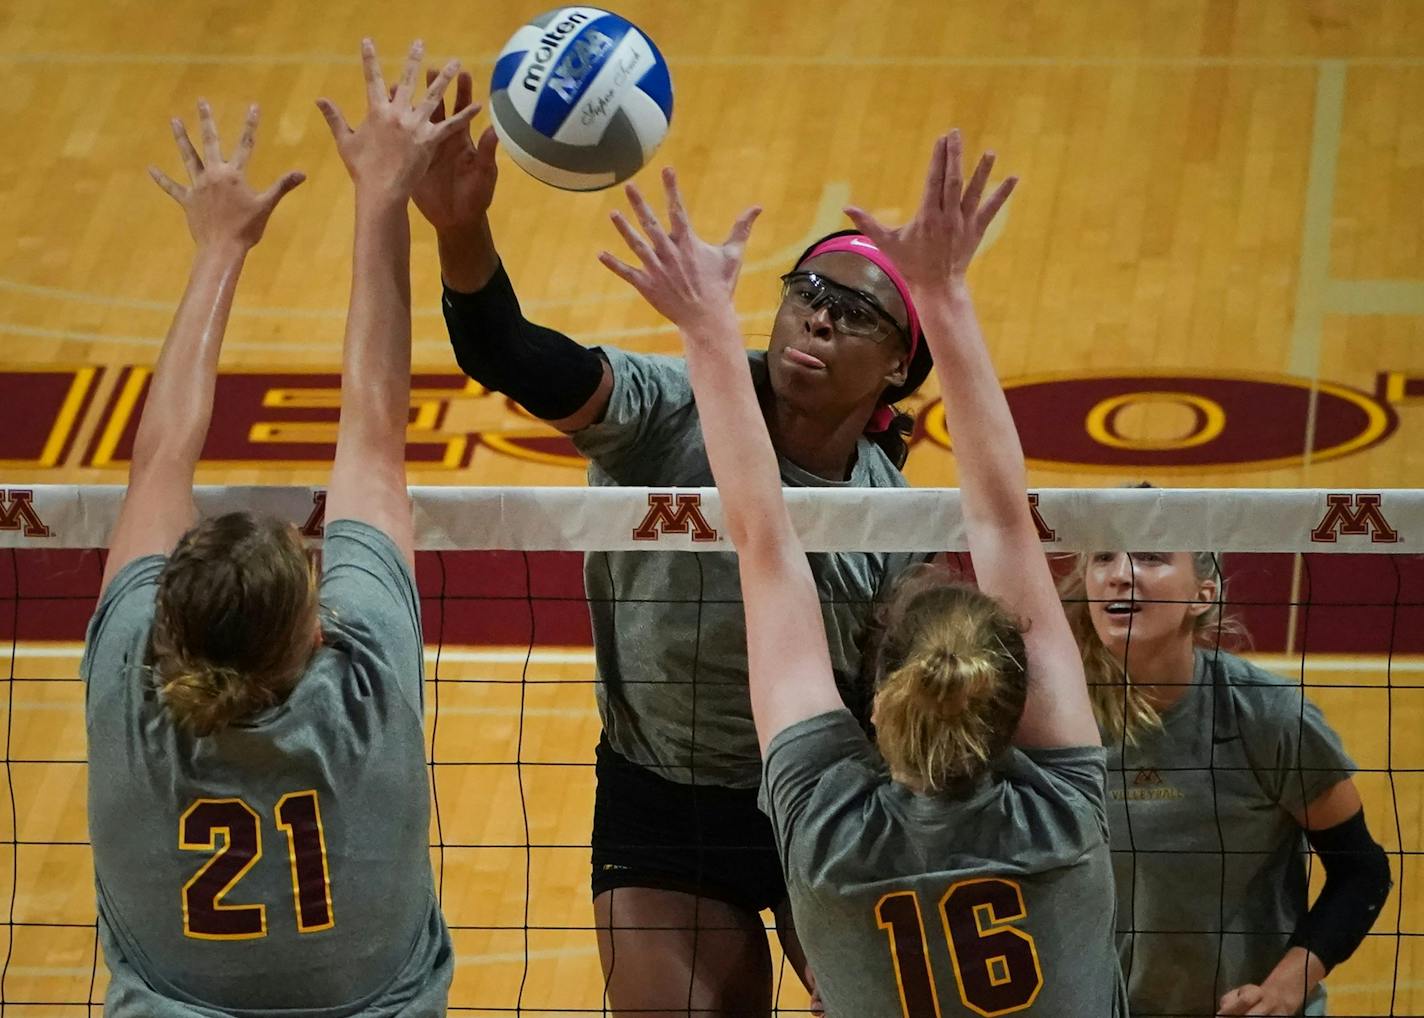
(852, 312)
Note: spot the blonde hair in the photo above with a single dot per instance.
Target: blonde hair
(235, 621)
(1123, 711)
(951, 680)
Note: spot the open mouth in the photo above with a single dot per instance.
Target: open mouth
(804, 359)
(1122, 607)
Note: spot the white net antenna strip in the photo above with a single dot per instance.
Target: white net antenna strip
(841, 519)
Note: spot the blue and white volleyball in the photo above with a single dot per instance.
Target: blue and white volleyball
(580, 98)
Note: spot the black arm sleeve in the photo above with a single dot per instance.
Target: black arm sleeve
(541, 369)
(1357, 881)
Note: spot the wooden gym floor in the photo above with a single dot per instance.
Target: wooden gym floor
(1219, 211)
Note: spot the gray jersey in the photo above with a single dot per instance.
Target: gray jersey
(668, 628)
(1211, 865)
(282, 866)
(997, 901)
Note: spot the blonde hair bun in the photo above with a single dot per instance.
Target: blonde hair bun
(951, 683)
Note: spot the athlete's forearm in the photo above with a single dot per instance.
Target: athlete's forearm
(987, 451)
(739, 448)
(375, 373)
(1297, 972)
(1003, 542)
(1357, 885)
(539, 368)
(468, 258)
(179, 406)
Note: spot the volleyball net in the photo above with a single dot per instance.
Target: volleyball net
(1330, 586)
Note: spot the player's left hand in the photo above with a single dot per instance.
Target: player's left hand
(221, 207)
(387, 154)
(1266, 999)
(683, 276)
(933, 249)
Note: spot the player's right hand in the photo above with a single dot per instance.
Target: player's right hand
(684, 277)
(221, 207)
(458, 186)
(389, 152)
(935, 247)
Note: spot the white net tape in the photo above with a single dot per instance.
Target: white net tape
(839, 519)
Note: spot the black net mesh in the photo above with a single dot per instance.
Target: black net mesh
(512, 727)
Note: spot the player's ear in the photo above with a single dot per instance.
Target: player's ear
(1207, 592)
(898, 372)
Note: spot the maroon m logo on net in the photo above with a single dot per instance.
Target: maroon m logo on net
(1045, 532)
(316, 519)
(663, 518)
(17, 512)
(1355, 515)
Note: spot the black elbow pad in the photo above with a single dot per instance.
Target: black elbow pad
(1357, 882)
(539, 368)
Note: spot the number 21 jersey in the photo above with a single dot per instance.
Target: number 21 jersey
(283, 864)
(996, 900)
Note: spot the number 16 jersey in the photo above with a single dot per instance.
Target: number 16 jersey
(281, 866)
(995, 900)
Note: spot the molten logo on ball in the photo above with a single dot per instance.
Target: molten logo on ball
(545, 53)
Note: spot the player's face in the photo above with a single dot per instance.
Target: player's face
(822, 359)
(1151, 598)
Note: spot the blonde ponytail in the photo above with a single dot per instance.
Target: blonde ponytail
(952, 682)
(235, 621)
(204, 699)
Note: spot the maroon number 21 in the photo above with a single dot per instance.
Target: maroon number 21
(206, 916)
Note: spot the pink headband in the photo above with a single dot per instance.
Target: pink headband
(861, 245)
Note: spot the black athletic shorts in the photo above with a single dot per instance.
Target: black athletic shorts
(702, 839)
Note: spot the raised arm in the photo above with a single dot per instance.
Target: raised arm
(546, 372)
(691, 282)
(226, 218)
(386, 156)
(933, 251)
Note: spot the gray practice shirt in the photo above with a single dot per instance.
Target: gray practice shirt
(1211, 865)
(995, 901)
(668, 629)
(281, 866)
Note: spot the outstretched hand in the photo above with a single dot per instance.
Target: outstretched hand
(390, 150)
(221, 207)
(683, 276)
(935, 247)
(458, 186)
(1265, 999)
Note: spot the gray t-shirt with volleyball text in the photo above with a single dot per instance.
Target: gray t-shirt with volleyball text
(281, 866)
(1210, 863)
(668, 629)
(997, 900)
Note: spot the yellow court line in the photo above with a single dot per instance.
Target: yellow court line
(519, 957)
(119, 417)
(52, 57)
(68, 411)
(1375, 297)
(1313, 270)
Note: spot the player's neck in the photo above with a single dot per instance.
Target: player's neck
(821, 445)
(1163, 674)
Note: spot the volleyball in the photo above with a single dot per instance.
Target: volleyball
(580, 98)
